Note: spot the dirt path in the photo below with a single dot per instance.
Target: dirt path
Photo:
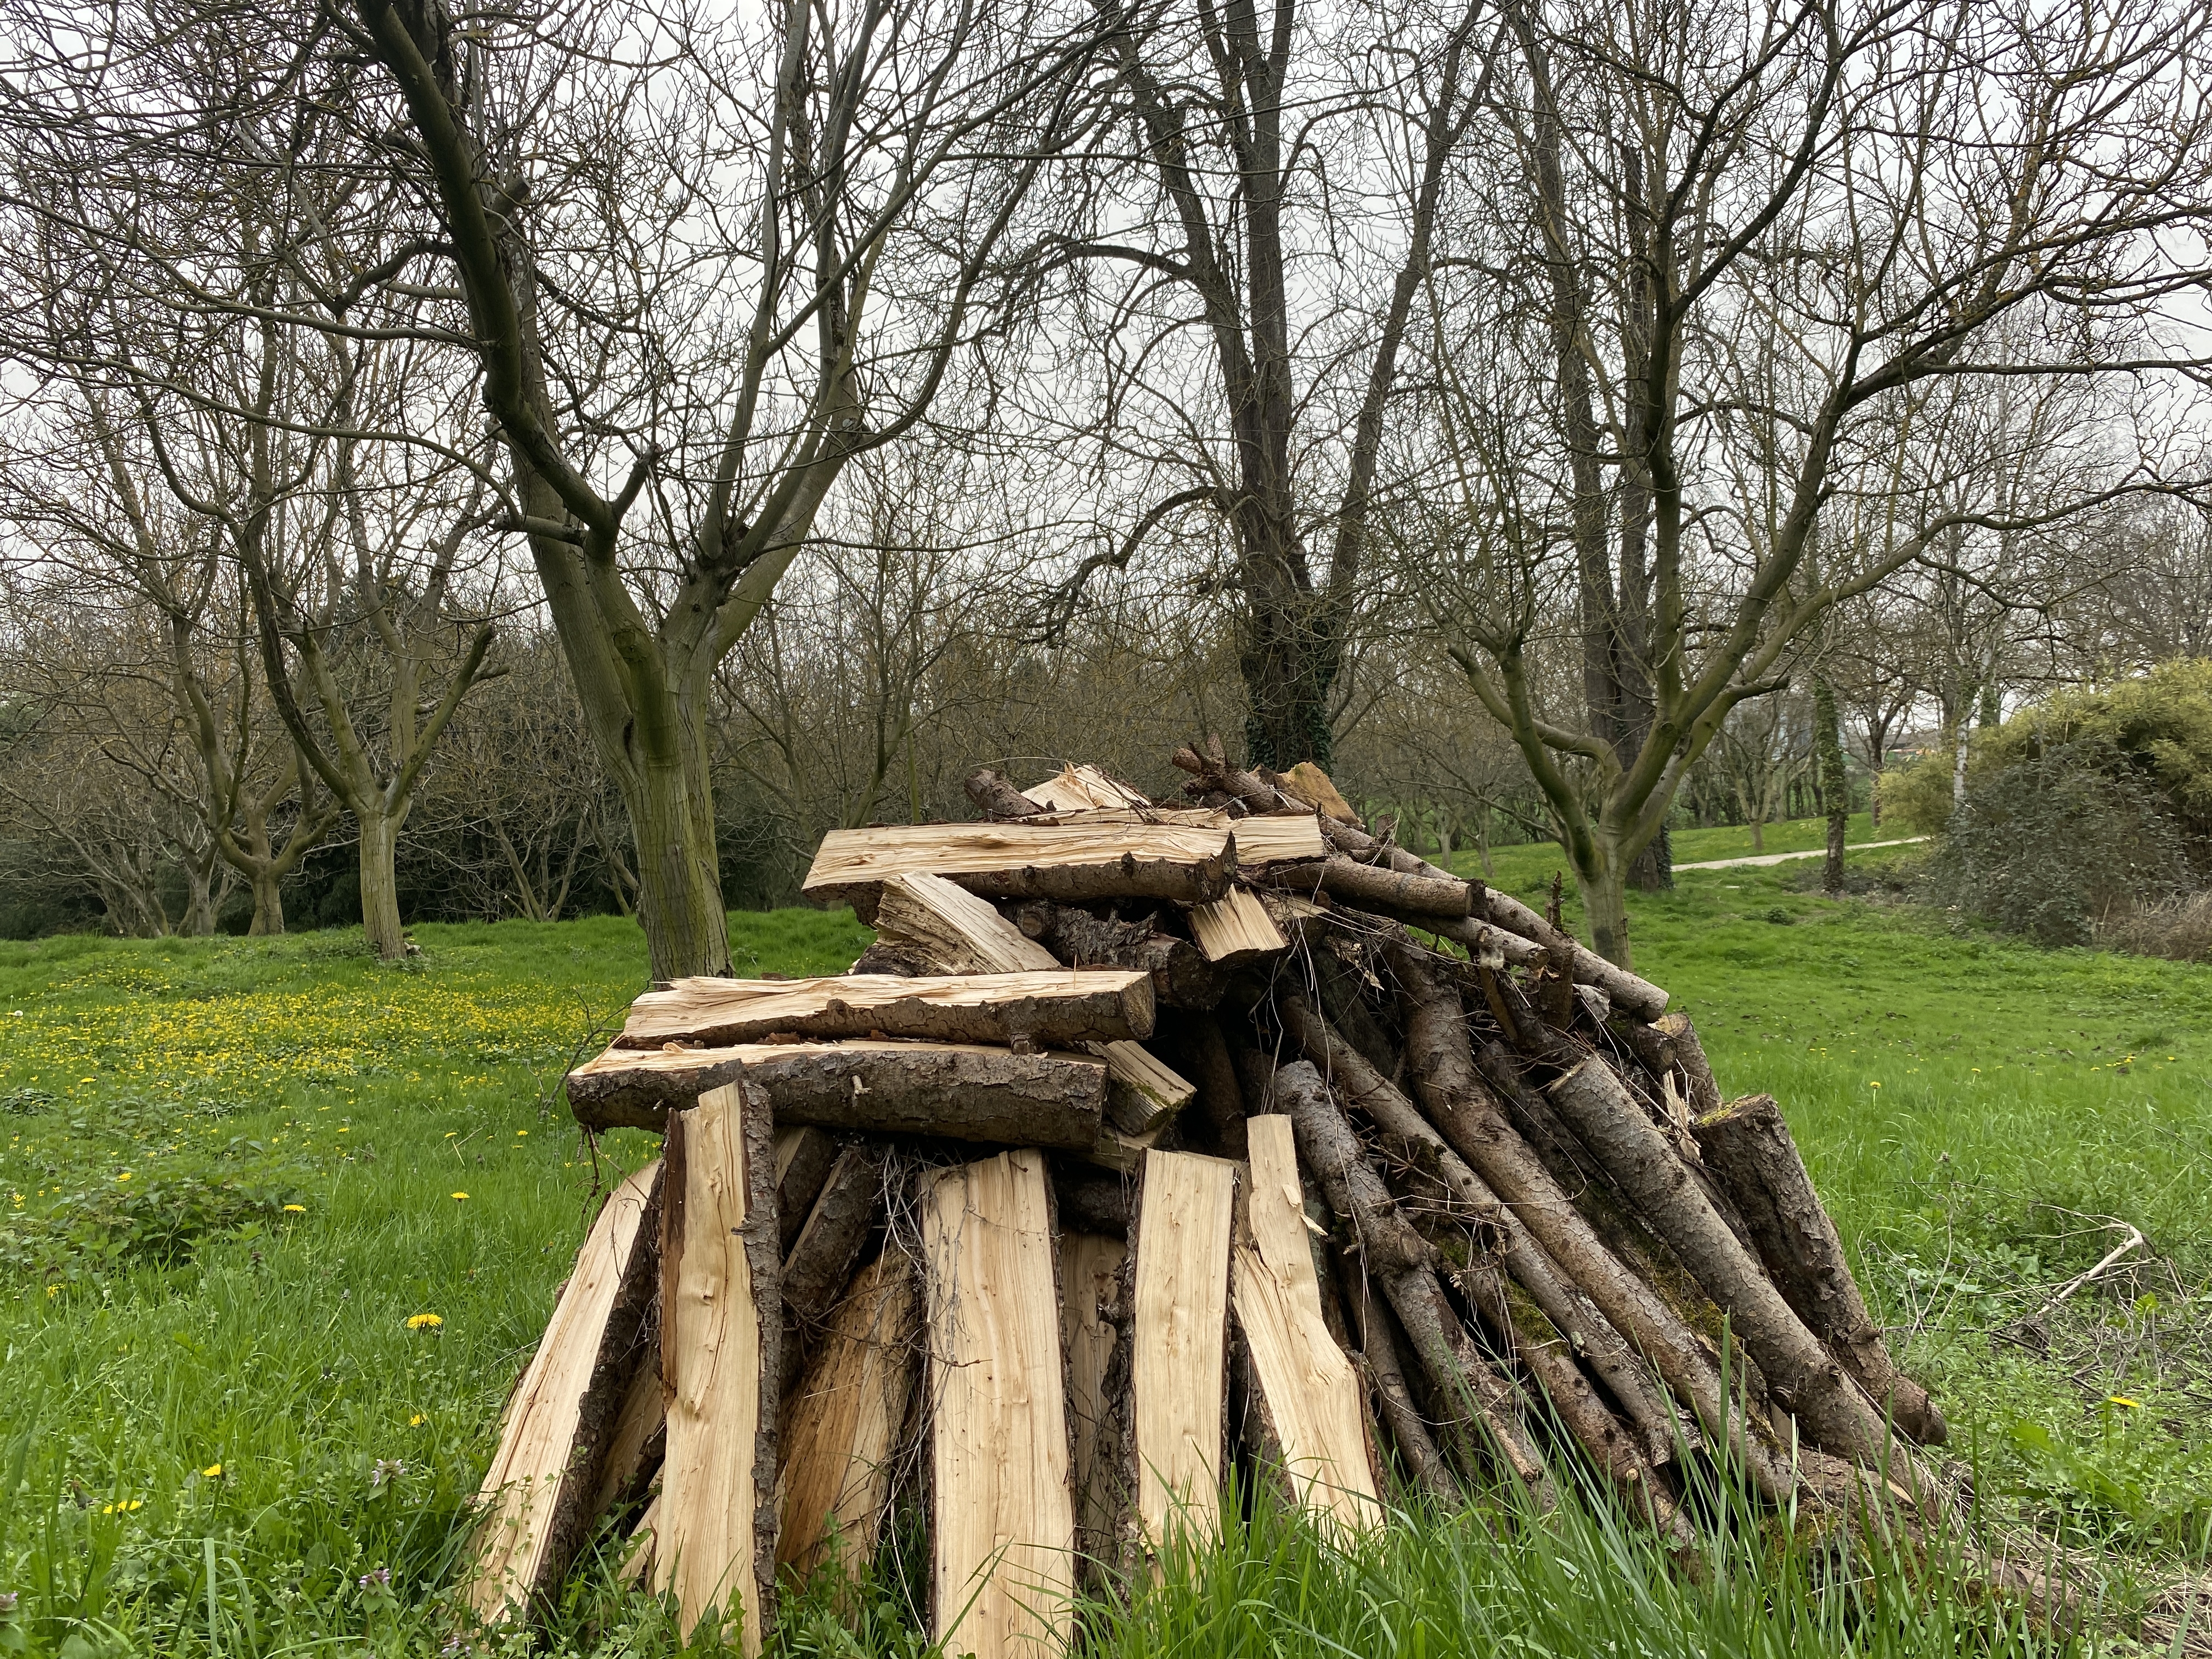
(1784, 857)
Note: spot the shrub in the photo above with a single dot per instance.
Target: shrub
(2049, 844)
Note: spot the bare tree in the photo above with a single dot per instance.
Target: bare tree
(1826, 234)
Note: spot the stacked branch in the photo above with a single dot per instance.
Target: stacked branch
(1151, 1142)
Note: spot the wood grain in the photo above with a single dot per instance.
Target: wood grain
(1002, 1516)
(1056, 1007)
(1179, 1340)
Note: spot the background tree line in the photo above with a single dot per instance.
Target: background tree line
(568, 460)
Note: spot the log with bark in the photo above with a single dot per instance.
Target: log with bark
(1052, 1008)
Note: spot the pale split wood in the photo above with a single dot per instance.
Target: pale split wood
(1060, 1005)
(844, 1422)
(1143, 1093)
(1236, 928)
(1080, 788)
(537, 1495)
(857, 861)
(637, 1557)
(953, 930)
(1090, 1289)
(716, 1528)
(1003, 1520)
(1179, 1341)
(1313, 1396)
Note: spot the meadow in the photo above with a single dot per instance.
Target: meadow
(278, 1226)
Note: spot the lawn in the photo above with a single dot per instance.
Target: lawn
(280, 1224)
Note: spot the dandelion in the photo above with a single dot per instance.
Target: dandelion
(416, 1421)
(522, 1131)
(53, 1290)
(2122, 1399)
(424, 1321)
(213, 1472)
(296, 1209)
(460, 1195)
(125, 1175)
(1874, 1085)
(121, 1506)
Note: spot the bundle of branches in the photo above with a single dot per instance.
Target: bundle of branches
(1147, 1141)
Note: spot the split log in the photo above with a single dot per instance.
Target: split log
(846, 1419)
(639, 1439)
(803, 1157)
(961, 1091)
(1075, 863)
(1749, 1150)
(1179, 1335)
(1002, 1517)
(1236, 928)
(1427, 899)
(1120, 1150)
(715, 1533)
(1182, 976)
(1804, 1376)
(1091, 1315)
(1570, 1313)
(1307, 1418)
(821, 1259)
(1461, 1379)
(538, 1496)
(995, 798)
(1308, 783)
(637, 1557)
(947, 926)
(1049, 1010)
(1470, 1119)
(1143, 1094)
(1083, 788)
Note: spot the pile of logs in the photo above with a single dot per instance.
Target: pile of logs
(1147, 1143)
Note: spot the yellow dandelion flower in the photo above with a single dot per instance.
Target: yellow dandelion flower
(122, 1506)
(424, 1321)
(53, 1290)
(213, 1472)
(522, 1131)
(416, 1421)
(1874, 1085)
(460, 1195)
(2122, 1399)
(125, 1175)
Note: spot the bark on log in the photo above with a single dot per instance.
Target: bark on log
(1054, 1009)
(1381, 1364)
(821, 1260)
(1705, 1094)
(1805, 1377)
(1471, 1120)
(1088, 1202)
(1750, 1151)
(715, 1531)
(1460, 1378)
(959, 1091)
(803, 1155)
(639, 1439)
(1202, 1051)
(1075, 863)
(995, 798)
(1182, 976)
(1092, 1317)
(1569, 1311)
(1423, 898)
(538, 1496)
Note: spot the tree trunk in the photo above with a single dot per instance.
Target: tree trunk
(678, 872)
(1835, 782)
(268, 905)
(1289, 661)
(1605, 905)
(380, 885)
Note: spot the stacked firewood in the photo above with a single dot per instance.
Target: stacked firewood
(1151, 1142)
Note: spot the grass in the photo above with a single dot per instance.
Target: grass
(219, 1433)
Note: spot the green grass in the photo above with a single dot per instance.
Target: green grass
(186, 1321)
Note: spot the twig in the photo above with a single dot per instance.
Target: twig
(2134, 1241)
